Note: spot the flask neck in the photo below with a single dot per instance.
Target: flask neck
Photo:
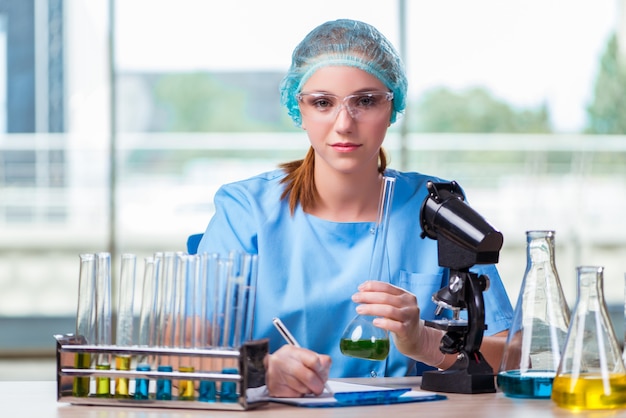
(591, 286)
(540, 247)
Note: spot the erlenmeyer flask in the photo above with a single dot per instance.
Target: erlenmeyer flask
(537, 336)
(361, 338)
(591, 374)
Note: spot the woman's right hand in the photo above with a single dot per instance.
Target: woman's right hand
(294, 372)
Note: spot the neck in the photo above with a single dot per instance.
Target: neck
(348, 197)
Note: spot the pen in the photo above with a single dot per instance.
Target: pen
(292, 341)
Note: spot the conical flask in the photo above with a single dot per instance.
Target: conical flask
(362, 338)
(540, 323)
(591, 374)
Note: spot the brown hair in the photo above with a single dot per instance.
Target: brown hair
(300, 184)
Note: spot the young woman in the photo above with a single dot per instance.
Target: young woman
(310, 221)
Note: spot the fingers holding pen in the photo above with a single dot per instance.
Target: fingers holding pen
(294, 372)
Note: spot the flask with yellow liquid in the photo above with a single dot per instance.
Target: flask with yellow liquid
(591, 375)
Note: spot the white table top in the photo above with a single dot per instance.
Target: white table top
(38, 399)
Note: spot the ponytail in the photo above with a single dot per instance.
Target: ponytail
(300, 183)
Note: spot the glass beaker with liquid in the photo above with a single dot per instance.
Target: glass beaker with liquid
(362, 338)
(591, 374)
(537, 335)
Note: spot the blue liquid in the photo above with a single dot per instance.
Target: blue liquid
(531, 384)
(141, 385)
(207, 391)
(164, 386)
(229, 389)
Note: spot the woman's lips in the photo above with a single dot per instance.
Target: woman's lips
(345, 146)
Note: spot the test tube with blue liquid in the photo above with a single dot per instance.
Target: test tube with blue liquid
(125, 318)
(103, 320)
(209, 267)
(238, 311)
(147, 324)
(165, 316)
(85, 320)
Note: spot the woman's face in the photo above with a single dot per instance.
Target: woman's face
(345, 134)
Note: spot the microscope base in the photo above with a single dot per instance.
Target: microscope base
(463, 377)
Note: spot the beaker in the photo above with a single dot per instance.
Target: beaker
(537, 335)
(361, 338)
(591, 374)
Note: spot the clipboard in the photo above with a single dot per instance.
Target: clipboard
(352, 394)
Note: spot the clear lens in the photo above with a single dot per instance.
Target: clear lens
(361, 106)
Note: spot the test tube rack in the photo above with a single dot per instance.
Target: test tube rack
(249, 376)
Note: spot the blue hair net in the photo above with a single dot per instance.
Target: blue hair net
(344, 42)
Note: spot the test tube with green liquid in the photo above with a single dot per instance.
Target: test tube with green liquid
(85, 320)
(103, 320)
(147, 323)
(124, 324)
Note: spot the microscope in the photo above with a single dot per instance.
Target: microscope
(464, 239)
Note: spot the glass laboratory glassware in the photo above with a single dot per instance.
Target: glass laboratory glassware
(240, 296)
(165, 319)
(85, 319)
(537, 335)
(185, 335)
(591, 374)
(361, 338)
(124, 322)
(103, 320)
(147, 323)
(207, 289)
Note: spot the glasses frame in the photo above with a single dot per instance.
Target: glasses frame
(343, 103)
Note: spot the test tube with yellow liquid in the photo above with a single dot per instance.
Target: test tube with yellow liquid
(591, 375)
(187, 306)
(103, 320)
(85, 320)
(124, 328)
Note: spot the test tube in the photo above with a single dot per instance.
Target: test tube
(167, 294)
(103, 320)
(250, 293)
(147, 323)
(241, 289)
(382, 225)
(185, 312)
(85, 319)
(124, 328)
(207, 285)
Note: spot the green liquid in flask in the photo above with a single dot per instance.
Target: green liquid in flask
(367, 349)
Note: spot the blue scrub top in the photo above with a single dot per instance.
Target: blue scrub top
(308, 268)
